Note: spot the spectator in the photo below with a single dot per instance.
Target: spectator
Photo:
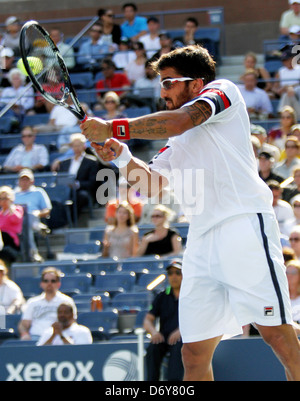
(287, 82)
(38, 206)
(124, 56)
(61, 118)
(151, 40)
(263, 75)
(7, 58)
(11, 38)
(84, 168)
(166, 45)
(111, 103)
(295, 202)
(293, 276)
(257, 101)
(17, 81)
(27, 155)
(287, 120)
(168, 338)
(147, 88)
(65, 331)
(283, 210)
(288, 254)
(290, 17)
(111, 31)
(294, 239)
(260, 133)
(11, 296)
(265, 168)
(93, 50)
(294, 34)
(11, 218)
(136, 68)
(285, 168)
(113, 80)
(66, 50)
(163, 240)
(293, 188)
(134, 26)
(128, 194)
(40, 312)
(190, 28)
(122, 238)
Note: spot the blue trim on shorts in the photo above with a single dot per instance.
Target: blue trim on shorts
(272, 269)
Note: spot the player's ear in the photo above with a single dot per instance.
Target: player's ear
(197, 85)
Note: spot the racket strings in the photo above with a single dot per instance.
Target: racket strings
(44, 64)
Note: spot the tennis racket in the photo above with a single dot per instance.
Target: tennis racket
(46, 68)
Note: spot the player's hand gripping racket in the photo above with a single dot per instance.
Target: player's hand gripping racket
(46, 68)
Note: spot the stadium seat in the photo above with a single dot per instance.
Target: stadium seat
(61, 198)
(97, 266)
(11, 331)
(129, 300)
(5, 125)
(102, 324)
(145, 279)
(90, 248)
(30, 286)
(115, 282)
(82, 80)
(18, 343)
(83, 301)
(133, 112)
(76, 283)
(35, 119)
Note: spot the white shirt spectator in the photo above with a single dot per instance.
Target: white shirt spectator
(76, 335)
(10, 93)
(285, 216)
(62, 117)
(9, 293)
(257, 99)
(18, 156)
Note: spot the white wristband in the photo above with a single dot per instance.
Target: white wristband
(124, 157)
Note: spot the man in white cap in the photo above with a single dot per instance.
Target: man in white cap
(12, 35)
(290, 17)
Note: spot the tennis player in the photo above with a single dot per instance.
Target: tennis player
(233, 271)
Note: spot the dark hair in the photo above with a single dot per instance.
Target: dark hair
(191, 61)
(108, 61)
(193, 20)
(133, 5)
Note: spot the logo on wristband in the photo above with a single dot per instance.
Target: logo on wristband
(121, 131)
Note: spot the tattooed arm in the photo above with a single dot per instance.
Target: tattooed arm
(161, 125)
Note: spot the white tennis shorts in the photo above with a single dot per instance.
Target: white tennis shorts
(233, 275)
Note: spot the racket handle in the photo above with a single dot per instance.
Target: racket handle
(84, 119)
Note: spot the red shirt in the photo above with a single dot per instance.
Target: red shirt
(118, 80)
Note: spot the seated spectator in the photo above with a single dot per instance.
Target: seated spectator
(285, 167)
(40, 312)
(93, 50)
(293, 277)
(116, 81)
(293, 188)
(111, 31)
(151, 40)
(163, 240)
(111, 103)
(142, 86)
(290, 17)
(7, 58)
(259, 132)
(84, 168)
(257, 101)
(66, 50)
(136, 68)
(295, 202)
(121, 239)
(134, 26)
(11, 219)
(124, 55)
(27, 155)
(294, 239)
(167, 338)
(128, 194)
(38, 206)
(283, 210)
(188, 38)
(17, 81)
(287, 86)
(11, 37)
(287, 120)
(12, 297)
(166, 45)
(65, 331)
(265, 167)
(288, 254)
(263, 75)
(294, 34)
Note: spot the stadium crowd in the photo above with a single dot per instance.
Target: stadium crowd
(114, 64)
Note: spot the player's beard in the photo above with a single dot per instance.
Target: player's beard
(179, 101)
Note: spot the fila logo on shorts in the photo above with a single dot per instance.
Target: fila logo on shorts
(218, 97)
(269, 311)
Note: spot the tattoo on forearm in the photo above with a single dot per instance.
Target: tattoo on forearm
(149, 128)
(199, 112)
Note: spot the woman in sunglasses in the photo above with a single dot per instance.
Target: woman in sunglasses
(233, 270)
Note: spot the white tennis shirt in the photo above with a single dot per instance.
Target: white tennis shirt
(212, 167)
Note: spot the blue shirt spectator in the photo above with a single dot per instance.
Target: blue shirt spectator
(134, 26)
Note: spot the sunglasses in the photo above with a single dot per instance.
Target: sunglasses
(49, 281)
(167, 84)
(157, 216)
(295, 239)
(176, 272)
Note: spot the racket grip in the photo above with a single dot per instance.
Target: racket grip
(84, 119)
